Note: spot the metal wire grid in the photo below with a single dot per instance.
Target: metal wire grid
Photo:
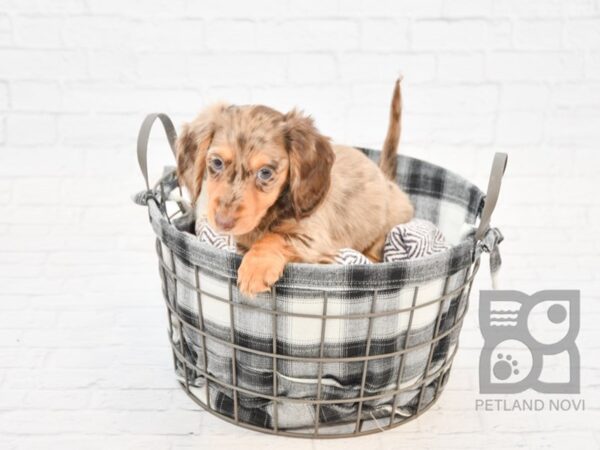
(192, 371)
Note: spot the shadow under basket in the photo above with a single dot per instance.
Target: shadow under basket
(332, 350)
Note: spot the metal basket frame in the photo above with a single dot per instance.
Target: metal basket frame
(192, 371)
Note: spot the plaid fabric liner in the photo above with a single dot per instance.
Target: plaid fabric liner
(307, 291)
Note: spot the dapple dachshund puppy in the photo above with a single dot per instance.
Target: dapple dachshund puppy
(285, 192)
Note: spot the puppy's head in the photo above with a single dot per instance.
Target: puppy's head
(257, 161)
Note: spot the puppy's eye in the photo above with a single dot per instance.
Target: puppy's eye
(265, 174)
(216, 164)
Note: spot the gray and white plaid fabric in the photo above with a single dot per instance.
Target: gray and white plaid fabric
(447, 200)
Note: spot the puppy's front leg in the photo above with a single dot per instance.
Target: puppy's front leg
(263, 264)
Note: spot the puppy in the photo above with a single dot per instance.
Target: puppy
(285, 192)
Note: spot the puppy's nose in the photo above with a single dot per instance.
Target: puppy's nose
(224, 222)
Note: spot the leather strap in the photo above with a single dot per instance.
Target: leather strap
(493, 191)
(144, 135)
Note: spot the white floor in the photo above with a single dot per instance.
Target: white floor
(95, 373)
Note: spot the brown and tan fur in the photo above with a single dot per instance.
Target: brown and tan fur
(316, 199)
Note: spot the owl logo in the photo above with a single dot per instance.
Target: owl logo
(529, 342)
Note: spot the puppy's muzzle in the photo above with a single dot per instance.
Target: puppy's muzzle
(224, 221)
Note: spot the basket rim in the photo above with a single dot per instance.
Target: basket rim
(385, 275)
(382, 275)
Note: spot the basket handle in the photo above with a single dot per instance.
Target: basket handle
(493, 191)
(144, 136)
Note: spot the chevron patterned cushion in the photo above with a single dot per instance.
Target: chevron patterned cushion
(206, 234)
(413, 239)
(349, 256)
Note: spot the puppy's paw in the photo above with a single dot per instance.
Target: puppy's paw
(259, 271)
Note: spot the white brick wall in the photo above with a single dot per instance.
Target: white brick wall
(84, 361)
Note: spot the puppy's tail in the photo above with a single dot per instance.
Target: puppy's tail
(387, 162)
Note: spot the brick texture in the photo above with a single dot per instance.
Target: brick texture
(84, 361)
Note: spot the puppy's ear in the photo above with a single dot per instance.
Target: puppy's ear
(191, 147)
(311, 158)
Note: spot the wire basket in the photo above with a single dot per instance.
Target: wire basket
(331, 351)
